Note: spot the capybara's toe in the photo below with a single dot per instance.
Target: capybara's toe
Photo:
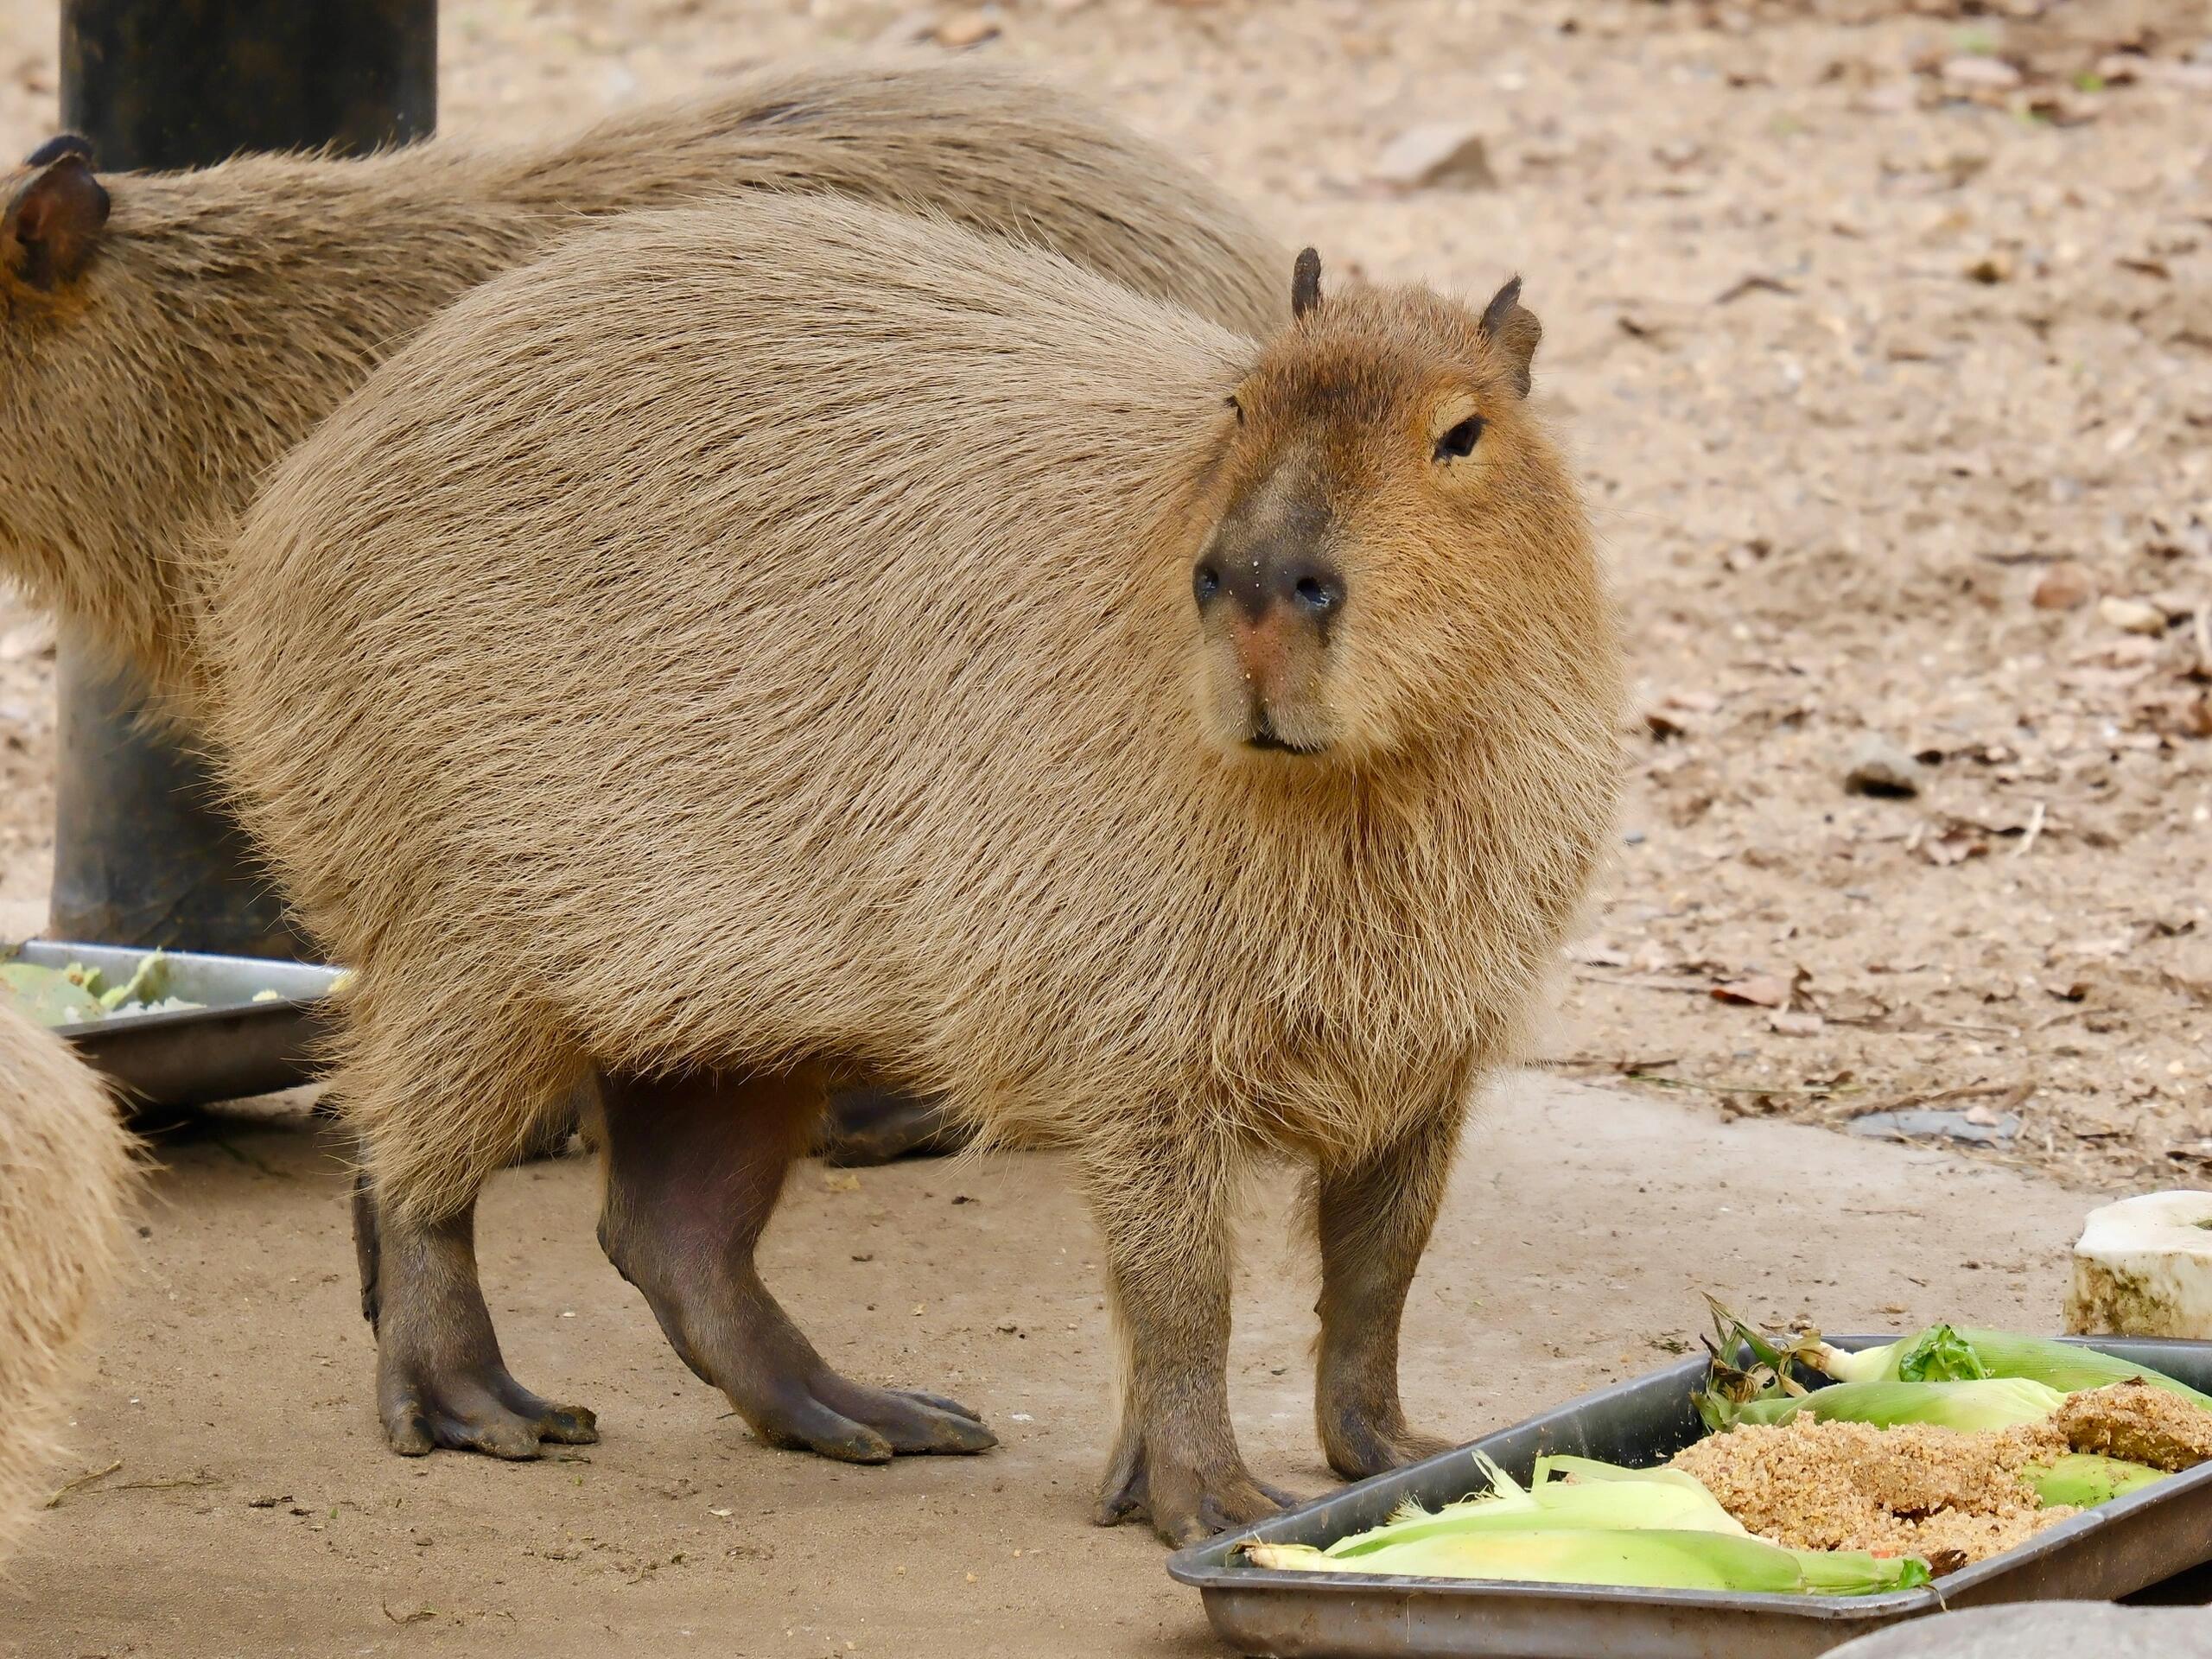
(1358, 1447)
(939, 1402)
(912, 1423)
(424, 1409)
(571, 1425)
(1184, 1505)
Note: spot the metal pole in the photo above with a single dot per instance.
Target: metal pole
(145, 852)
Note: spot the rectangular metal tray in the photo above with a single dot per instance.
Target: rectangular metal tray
(2103, 1554)
(231, 1048)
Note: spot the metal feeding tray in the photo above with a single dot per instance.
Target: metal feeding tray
(231, 1048)
(2100, 1554)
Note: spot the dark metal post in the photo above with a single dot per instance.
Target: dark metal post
(144, 853)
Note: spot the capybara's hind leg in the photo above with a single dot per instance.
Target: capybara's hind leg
(695, 1163)
(1374, 1217)
(865, 1127)
(441, 1381)
(1164, 1205)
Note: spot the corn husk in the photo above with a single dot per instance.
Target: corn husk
(2083, 1480)
(1990, 1402)
(1935, 1355)
(1566, 1495)
(1642, 1558)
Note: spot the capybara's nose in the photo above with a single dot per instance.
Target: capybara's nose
(1302, 582)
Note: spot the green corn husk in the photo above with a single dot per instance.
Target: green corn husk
(48, 996)
(1645, 1559)
(2085, 1479)
(1925, 1357)
(1596, 1497)
(148, 984)
(1939, 1354)
(1991, 1402)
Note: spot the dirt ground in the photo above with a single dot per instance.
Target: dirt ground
(1869, 322)
(251, 1508)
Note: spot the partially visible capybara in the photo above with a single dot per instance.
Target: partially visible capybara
(165, 337)
(790, 641)
(65, 1167)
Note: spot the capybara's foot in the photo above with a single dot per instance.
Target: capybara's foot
(1359, 1446)
(1184, 1505)
(841, 1419)
(695, 1162)
(440, 1378)
(865, 1127)
(484, 1411)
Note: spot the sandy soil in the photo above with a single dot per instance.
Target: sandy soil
(255, 1510)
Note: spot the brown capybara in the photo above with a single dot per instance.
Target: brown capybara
(165, 337)
(65, 1169)
(789, 641)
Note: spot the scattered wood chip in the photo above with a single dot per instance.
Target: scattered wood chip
(1759, 990)
(1443, 155)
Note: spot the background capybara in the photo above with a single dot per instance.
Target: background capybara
(806, 641)
(165, 337)
(65, 1164)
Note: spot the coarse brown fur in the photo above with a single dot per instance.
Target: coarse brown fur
(65, 1168)
(758, 642)
(154, 366)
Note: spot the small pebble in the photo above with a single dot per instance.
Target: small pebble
(2065, 586)
(1881, 767)
(2131, 615)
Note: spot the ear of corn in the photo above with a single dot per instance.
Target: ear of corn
(1941, 1354)
(1648, 1559)
(1991, 1402)
(1596, 1497)
(2065, 1367)
(2085, 1479)
(1590, 1469)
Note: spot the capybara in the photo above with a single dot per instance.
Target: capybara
(165, 337)
(65, 1168)
(789, 641)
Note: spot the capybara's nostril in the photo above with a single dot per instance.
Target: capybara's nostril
(1205, 582)
(1317, 590)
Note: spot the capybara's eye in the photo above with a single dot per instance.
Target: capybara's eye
(1459, 442)
(1205, 582)
(1231, 400)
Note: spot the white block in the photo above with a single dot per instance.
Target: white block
(2143, 1268)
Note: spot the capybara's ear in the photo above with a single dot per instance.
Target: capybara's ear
(52, 223)
(1305, 283)
(1513, 331)
(62, 143)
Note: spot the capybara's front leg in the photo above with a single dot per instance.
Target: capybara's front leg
(440, 1378)
(1163, 1203)
(695, 1163)
(1374, 1216)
